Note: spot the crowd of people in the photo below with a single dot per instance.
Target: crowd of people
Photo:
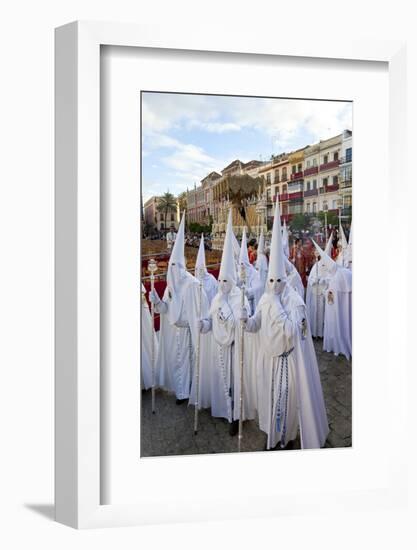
(242, 345)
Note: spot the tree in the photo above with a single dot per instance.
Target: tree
(166, 203)
(300, 221)
(332, 219)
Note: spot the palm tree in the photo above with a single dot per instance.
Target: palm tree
(166, 203)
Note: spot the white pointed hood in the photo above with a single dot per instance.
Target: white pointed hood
(244, 256)
(177, 254)
(328, 249)
(177, 275)
(285, 240)
(261, 245)
(276, 268)
(326, 261)
(228, 264)
(235, 242)
(350, 236)
(342, 237)
(200, 264)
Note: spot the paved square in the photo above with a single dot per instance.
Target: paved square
(170, 430)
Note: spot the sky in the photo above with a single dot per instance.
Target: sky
(185, 136)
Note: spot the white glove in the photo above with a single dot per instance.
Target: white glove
(153, 297)
(204, 325)
(243, 315)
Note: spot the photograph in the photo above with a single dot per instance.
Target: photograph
(246, 273)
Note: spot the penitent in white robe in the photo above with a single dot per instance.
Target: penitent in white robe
(178, 336)
(146, 347)
(338, 313)
(220, 375)
(281, 330)
(316, 289)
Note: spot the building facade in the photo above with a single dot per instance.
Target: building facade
(155, 219)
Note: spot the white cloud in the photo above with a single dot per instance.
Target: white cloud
(280, 118)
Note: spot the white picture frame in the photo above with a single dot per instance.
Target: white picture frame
(77, 242)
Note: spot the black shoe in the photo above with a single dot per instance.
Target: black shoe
(234, 428)
(180, 401)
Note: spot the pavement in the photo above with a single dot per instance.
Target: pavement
(171, 430)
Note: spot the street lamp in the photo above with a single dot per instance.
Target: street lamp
(325, 208)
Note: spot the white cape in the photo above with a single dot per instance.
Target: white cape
(146, 348)
(220, 374)
(338, 314)
(177, 342)
(306, 407)
(316, 289)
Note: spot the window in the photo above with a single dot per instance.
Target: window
(336, 155)
(308, 186)
(314, 207)
(284, 174)
(325, 159)
(334, 204)
(314, 184)
(276, 176)
(325, 180)
(335, 180)
(314, 162)
(299, 168)
(276, 190)
(308, 208)
(268, 178)
(308, 164)
(284, 188)
(294, 169)
(349, 154)
(324, 205)
(172, 217)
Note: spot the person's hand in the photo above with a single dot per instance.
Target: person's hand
(153, 297)
(244, 315)
(201, 325)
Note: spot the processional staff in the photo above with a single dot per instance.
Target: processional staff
(317, 293)
(242, 331)
(197, 360)
(153, 268)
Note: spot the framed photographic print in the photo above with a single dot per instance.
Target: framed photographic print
(218, 334)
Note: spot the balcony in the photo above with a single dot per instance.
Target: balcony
(345, 160)
(311, 170)
(331, 188)
(296, 196)
(346, 183)
(283, 197)
(284, 177)
(311, 193)
(329, 165)
(297, 176)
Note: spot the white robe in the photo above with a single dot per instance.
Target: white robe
(281, 330)
(220, 375)
(294, 279)
(338, 313)
(316, 289)
(146, 347)
(178, 336)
